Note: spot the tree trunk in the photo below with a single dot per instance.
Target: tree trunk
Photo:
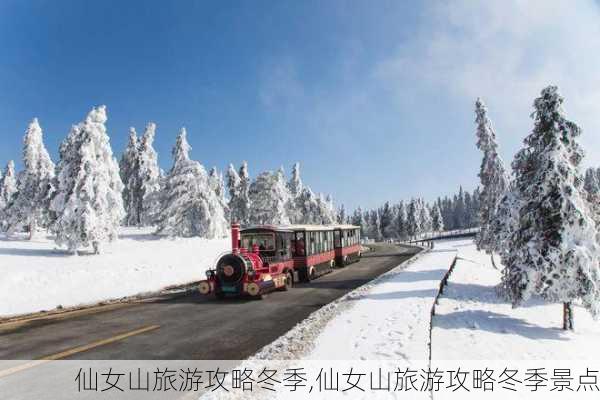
(568, 317)
(493, 262)
(32, 228)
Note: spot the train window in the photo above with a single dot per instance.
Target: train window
(283, 245)
(265, 241)
(321, 242)
(300, 244)
(337, 241)
(313, 244)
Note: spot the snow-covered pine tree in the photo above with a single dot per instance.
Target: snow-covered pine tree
(493, 178)
(401, 221)
(413, 226)
(295, 183)
(555, 253)
(88, 202)
(30, 207)
(424, 217)
(189, 206)
(149, 177)
(359, 220)
(269, 197)
(8, 189)
(341, 215)
(504, 229)
(386, 219)
(243, 204)
(129, 170)
(233, 187)
(217, 184)
(307, 208)
(437, 221)
(326, 209)
(374, 225)
(592, 184)
(592, 188)
(296, 187)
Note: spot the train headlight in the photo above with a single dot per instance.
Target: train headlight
(253, 289)
(204, 287)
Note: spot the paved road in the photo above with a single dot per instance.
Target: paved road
(189, 327)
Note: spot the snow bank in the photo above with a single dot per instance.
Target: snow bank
(386, 319)
(471, 322)
(37, 276)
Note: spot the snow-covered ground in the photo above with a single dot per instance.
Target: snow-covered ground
(37, 276)
(471, 322)
(386, 319)
(387, 324)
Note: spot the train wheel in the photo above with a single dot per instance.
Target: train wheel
(289, 281)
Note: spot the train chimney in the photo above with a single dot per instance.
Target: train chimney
(235, 238)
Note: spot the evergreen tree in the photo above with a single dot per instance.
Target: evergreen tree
(341, 215)
(437, 221)
(233, 187)
(29, 208)
(189, 206)
(592, 189)
(88, 202)
(554, 253)
(413, 227)
(386, 218)
(327, 209)
(459, 209)
(401, 222)
(217, 184)
(493, 179)
(592, 183)
(375, 225)
(424, 217)
(269, 197)
(149, 177)
(8, 189)
(243, 205)
(359, 220)
(129, 170)
(308, 209)
(295, 183)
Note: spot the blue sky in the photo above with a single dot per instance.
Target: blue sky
(375, 99)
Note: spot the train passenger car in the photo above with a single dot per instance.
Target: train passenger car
(346, 240)
(266, 258)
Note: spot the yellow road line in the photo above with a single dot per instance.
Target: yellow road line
(76, 350)
(10, 325)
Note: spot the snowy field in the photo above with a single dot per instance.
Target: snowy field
(37, 276)
(387, 324)
(386, 319)
(471, 316)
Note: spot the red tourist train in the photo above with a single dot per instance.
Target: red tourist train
(266, 258)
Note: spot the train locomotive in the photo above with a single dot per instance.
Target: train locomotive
(267, 258)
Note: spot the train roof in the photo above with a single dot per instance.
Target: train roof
(291, 228)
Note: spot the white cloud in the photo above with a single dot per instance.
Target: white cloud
(506, 52)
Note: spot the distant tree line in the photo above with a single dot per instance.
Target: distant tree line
(408, 219)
